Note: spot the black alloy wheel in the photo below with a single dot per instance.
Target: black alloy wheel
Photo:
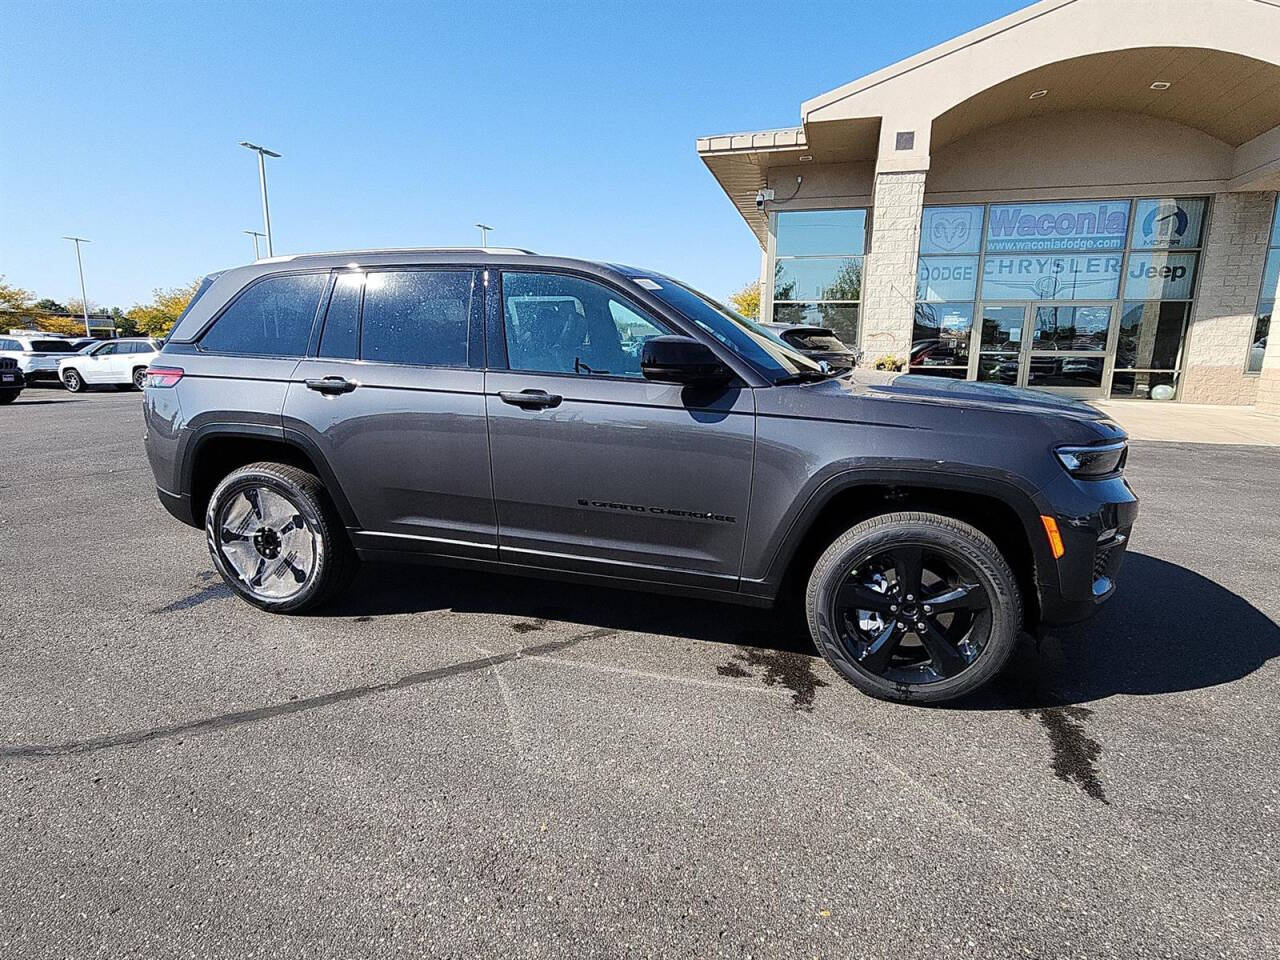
(914, 606)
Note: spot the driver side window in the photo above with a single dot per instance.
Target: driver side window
(562, 324)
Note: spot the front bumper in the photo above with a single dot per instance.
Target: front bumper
(1095, 519)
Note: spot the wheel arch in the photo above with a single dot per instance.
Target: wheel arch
(1001, 510)
(217, 449)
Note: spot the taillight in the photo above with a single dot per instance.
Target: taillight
(163, 376)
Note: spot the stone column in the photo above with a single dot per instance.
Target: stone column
(1222, 321)
(889, 285)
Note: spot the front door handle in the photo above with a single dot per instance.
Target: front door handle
(530, 399)
(331, 386)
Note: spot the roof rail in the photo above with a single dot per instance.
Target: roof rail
(383, 250)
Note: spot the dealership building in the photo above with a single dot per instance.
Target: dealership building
(1080, 197)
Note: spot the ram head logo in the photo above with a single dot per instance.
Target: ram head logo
(949, 232)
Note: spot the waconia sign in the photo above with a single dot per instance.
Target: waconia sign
(1088, 225)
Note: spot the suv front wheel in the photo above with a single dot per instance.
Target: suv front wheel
(914, 607)
(276, 539)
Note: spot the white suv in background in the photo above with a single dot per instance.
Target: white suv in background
(121, 362)
(37, 356)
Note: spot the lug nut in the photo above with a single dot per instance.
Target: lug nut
(920, 624)
(893, 608)
(928, 609)
(910, 597)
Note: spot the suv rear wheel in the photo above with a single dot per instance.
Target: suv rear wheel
(139, 377)
(276, 539)
(914, 606)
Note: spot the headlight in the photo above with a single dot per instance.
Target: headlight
(1089, 463)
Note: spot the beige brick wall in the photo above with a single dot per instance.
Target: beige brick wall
(889, 293)
(1222, 321)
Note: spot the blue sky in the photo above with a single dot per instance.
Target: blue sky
(568, 126)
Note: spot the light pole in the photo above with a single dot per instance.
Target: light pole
(484, 233)
(255, 234)
(263, 153)
(84, 299)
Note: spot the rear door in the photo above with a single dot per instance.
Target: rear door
(596, 469)
(392, 398)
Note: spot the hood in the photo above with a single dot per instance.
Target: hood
(987, 395)
(909, 400)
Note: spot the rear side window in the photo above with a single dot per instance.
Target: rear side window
(342, 320)
(417, 317)
(270, 319)
(52, 346)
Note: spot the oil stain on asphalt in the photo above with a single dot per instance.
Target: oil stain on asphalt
(791, 670)
(1074, 751)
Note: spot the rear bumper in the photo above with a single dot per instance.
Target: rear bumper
(1094, 541)
(178, 505)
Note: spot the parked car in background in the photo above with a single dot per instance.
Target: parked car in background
(11, 381)
(83, 343)
(479, 407)
(817, 343)
(121, 363)
(37, 356)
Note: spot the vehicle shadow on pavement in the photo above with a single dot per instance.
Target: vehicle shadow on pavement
(389, 589)
(1167, 629)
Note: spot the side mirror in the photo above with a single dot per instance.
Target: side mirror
(675, 359)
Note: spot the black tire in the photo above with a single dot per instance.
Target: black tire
(332, 559)
(72, 380)
(956, 651)
(8, 396)
(139, 377)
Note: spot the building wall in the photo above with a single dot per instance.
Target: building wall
(1223, 317)
(1067, 155)
(1079, 154)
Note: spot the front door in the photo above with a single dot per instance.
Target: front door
(1057, 347)
(596, 469)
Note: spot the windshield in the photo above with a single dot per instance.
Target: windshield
(748, 339)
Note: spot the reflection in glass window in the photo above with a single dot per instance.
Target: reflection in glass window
(1266, 299)
(1151, 335)
(817, 279)
(1071, 328)
(818, 265)
(416, 317)
(272, 318)
(817, 233)
(940, 338)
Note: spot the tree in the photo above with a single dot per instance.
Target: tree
(156, 319)
(46, 305)
(747, 300)
(13, 298)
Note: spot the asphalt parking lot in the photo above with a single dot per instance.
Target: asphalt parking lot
(453, 765)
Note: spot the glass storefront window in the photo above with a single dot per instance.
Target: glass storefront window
(1040, 277)
(1151, 335)
(1070, 225)
(1164, 223)
(951, 230)
(817, 273)
(943, 279)
(818, 279)
(1266, 298)
(1160, 276)
(940, 340)
(818, 233)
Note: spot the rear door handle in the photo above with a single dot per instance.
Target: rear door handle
(331, 386)
(530, 399)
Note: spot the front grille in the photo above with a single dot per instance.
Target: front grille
(8, 363)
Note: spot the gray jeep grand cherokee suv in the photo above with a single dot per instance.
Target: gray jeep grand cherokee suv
(510, 412)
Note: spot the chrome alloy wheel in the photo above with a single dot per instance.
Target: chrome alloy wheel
(913, 614)
(267, 543)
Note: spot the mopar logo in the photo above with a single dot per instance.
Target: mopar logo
(1165, 224)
